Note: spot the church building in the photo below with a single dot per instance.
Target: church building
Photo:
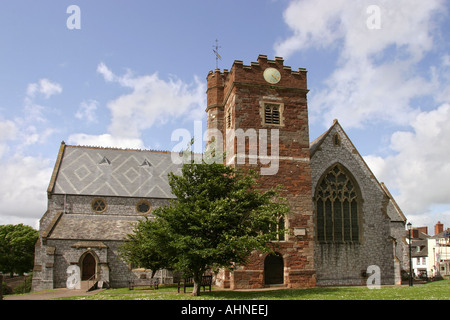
(342, 220)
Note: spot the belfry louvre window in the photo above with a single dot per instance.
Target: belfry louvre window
(229, 119)
(272, 113)
(337, 207)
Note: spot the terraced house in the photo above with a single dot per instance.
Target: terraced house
(342, 219)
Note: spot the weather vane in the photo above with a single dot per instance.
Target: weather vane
(216, 52)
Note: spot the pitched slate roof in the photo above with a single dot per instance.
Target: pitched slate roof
(92, 227)
(112, 172)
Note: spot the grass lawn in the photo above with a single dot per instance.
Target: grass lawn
(439, 290)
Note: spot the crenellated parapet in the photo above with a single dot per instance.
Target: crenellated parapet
(219, 84)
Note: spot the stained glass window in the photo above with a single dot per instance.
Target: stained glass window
(337, 207)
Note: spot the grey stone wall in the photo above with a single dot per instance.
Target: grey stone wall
(346, 263)
(115, 205)
(117, 275)
(53, 256)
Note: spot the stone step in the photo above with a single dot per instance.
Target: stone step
(84, 284)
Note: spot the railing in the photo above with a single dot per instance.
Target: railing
(93, 279)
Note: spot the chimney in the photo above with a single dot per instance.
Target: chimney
(438, 228)
(415, 233)
(423, 229)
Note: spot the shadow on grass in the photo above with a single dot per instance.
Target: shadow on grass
(432, 291)
(281, 294)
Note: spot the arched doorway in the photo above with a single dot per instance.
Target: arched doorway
(274, 269)
(88, 266)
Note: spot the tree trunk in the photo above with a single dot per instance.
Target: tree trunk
(197, 284)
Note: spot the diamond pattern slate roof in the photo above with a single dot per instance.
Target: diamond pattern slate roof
(114, 172)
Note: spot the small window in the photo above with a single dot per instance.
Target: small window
(337, 140)
(277, 228)
(272, 113)
(98, 205)
(143, 207)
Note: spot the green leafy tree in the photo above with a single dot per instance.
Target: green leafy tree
(216, 221)
(17, 248)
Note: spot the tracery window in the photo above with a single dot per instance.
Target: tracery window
(337, 207)
(143, 207)
(98, 205)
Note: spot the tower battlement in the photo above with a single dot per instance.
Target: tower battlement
(220, 83)
(254, 73)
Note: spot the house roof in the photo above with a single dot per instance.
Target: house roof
(112, 172)
(443, 234)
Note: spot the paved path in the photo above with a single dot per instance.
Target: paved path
(52, 294)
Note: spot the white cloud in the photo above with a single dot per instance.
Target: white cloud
(406, 24)
(44, 87)
(24, 179)
(105, 140)
(86, 111)
(360, 92)
(419, 169)
(152, 100)
(105, 72)
(376, 76)
(314, 24)
(8, 130)
(23, 188)
(446, 60)
(32, 126)
(378, 80)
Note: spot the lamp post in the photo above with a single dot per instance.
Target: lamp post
(410, 257)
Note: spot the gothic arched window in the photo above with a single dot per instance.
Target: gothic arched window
(337, 207)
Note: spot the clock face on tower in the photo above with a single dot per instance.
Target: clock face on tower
(272, 75)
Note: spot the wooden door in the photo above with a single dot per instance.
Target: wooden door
(274, 269)
(88, 267)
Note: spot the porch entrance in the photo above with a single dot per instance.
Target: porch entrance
(88, 267)
(273, 269)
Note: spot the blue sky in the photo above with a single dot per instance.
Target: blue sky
(136, 70)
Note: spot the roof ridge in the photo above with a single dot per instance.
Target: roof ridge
(122, 149)
(116, 148)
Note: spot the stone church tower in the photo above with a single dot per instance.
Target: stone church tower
(261, 112)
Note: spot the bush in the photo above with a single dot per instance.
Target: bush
(24, 287)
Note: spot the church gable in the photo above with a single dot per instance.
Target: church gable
(352, 213)
(334, 146)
